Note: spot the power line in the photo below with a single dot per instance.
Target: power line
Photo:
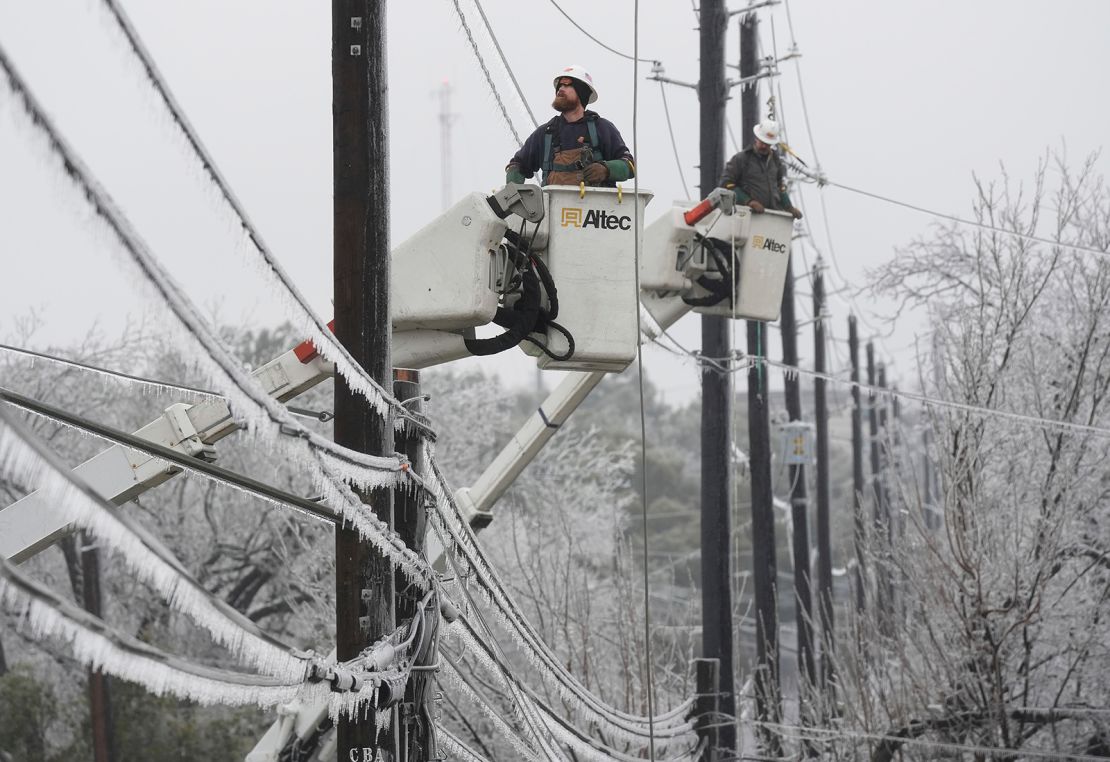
(636, 47)
(485, 71)
(970, 223)
(927, 401)
(194, 465)
(153, 383)
(505, 61)
(357, 378)
(640, 368)
(674, 144)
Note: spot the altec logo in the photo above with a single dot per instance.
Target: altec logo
(768, 244)
(574, 216)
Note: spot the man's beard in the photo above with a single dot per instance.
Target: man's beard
(561, 103)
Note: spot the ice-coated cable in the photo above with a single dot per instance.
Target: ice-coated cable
(462, 538)
(457, 748)
(194, 466)
(505, 63)
(927, 401)
(101, 647)
(637, 223)
(338, 467)
(577, 740)
(485, 72)
(25, 456)
(147, 384)
(459, 535)
(525, 711)
(346, 366)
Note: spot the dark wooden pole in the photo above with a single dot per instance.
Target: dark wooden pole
(100, 687)
(857, 467)
(799, 503)
(764, 566)
(716, 408)
(411, 526)
(824, 541)
(877, 523)
(886, 570)
(707, 707)
(364, 578)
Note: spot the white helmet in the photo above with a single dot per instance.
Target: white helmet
(574, 71)
(768, 132)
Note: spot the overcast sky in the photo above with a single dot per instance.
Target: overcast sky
(905, 99)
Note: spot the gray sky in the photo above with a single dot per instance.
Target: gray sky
(905, 99)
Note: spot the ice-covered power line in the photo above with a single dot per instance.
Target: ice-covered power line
(486, 73)
(505, 63)
(832, 734)
(150, 384)
(458, 536)
(649, 666)
(205, 470)
(45, 614)
(346, 366)
(335, 468)
(926, 401)
(27, 459)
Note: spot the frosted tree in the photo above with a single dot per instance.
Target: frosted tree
(1001, 636)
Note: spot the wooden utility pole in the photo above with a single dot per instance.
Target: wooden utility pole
(877, 509)
(716, 406)
(411, 526)
(886, 569)
(799, 504)
(824, 541)
(857, 467)
(100, 694)
(764, 567)
(364, 578)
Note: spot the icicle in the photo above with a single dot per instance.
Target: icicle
(148, 559)
(100, 647)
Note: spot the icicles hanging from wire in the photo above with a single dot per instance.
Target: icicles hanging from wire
(100, 647)
(297, 307)
(27, 460)
(126, 381)
(458, 538)
(253, 408)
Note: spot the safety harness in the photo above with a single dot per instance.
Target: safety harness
(551, 147)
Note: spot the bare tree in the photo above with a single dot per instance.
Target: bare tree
(1002, 641)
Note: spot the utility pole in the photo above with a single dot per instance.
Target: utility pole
(799, 504)
(857, 466)
(716, 405)
(824, 542)
(411, 526)
(886, 577)
(876, 489)
(100, 696)
(764, 568)
(364, 578)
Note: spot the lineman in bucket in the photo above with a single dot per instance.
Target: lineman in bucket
(757, 176)
(577, 146)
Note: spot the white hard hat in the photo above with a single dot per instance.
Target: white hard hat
(768, 132)
(574, 71)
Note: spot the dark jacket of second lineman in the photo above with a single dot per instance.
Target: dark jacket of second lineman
(762, 178)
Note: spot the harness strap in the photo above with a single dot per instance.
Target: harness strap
(550, 148)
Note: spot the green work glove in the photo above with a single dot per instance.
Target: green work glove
(619, 170)
(742, 198)
(513, 174)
